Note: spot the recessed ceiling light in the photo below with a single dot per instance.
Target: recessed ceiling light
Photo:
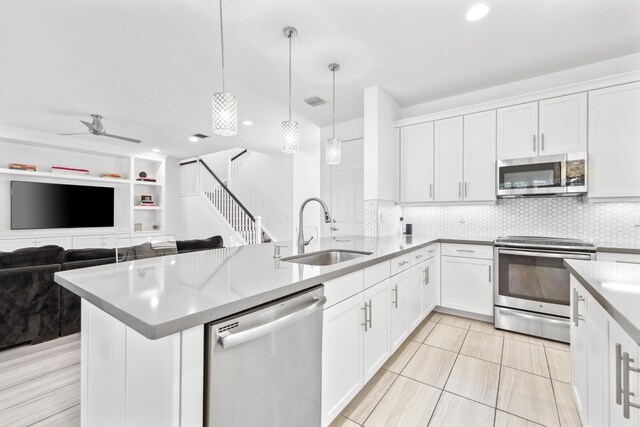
(477, 12)
(155, 150)
(194, 139)
(247, 123)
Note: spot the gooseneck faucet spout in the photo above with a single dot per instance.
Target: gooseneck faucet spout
(327, 219)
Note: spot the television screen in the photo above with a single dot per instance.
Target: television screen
(39, 205)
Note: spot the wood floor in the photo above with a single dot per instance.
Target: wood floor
(40, 384)
(457, 372)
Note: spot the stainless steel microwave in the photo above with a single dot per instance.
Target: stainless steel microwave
(557, 175)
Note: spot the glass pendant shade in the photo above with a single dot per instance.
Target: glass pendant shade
(290, 137)
(333, 154)
(225, 114)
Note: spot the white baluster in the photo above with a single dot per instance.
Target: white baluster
(258, 230)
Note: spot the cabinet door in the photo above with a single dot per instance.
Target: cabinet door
(614, 132)
(400, 289)
(342, 342)
(467, 284)
(563, 124)
(597, 362)
(61, 241)
(416, 293)
(627, 345)
(480, 156)
(376, 335)
(579, 346)
(416, 163)
(448, 159)
(518, 131)
(83, 242)
(430, 286)
(10, 245)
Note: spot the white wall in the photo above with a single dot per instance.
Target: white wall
(199, 219)
(172, 188)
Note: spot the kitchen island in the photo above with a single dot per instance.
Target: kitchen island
(143, 334)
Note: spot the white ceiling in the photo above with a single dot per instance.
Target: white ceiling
(150, 66)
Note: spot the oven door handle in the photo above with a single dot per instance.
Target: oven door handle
(546, 254)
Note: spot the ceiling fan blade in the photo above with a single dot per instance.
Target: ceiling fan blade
(78, 133)
(87, 124)
(137, 141)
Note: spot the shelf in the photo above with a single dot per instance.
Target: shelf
(147, 208)
(63, 176)
(152, 184)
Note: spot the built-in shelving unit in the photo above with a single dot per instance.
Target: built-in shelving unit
(151, 218)
(72, 177)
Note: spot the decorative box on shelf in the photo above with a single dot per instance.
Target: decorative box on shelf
(111, 175)
(62, 170)
(22, 167)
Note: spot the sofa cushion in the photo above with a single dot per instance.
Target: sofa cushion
(213, 242)
(72, 255)
(27, 257)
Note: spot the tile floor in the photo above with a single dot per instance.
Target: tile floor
(453, 371)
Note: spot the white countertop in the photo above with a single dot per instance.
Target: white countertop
(616, 287)
(161, 296)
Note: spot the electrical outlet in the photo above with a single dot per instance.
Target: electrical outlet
(383, 218)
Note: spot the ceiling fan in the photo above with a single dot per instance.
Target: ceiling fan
(96, 128)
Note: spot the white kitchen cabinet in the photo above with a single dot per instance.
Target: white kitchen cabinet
(400, 301)
(430, 286)
(614, 132)
(62, 241)
(617, 337)
(10, 245)
(416, 294)
(416, 163)
(517, 133)
(480, 156)
(467, 284)
(563, 125)
(376, 328)
(342, 351)
(448, 159)
(579, 342)
(597, 362)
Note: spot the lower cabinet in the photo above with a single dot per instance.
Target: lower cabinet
(620, 344)
(578, 339)
(376, 328)
(416, 294)
(431, 288)
(467, 284)
(400, 302)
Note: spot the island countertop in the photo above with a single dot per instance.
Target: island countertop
(616, 287)
(161, 296)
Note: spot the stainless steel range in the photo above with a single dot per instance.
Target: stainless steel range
(531, 290)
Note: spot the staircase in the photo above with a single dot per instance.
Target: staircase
(197, 177)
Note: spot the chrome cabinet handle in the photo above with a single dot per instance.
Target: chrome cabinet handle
(626, 393)
(427, 274)
(465, 250)
(459, 189)
(433, 250)
(542, 141)
(430, 190)
(395, 294)
(618, 374)
(424, 276)
(366, 322)
(534, 143)
(370, 314)
(576, 315)
(489, 274)
(466, 193)
(419, 256)
(400, 264)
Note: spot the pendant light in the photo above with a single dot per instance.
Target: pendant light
(290, 129)
(224, 105)
(334, 145)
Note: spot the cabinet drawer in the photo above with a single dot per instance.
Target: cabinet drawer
(467, 251)
(418, 256)
(618, 257)
(400, 263)
(431, 250)
(339, 289)
(376, 273)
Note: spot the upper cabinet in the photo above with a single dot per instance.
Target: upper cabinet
(416, 163)
(518, 131)
(480, 156)
(614, 142)
(448, 158)
(563, 125)
(551, 126)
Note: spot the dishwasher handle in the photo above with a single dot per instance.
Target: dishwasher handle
(228, 339)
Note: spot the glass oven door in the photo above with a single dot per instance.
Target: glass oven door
(535, 280)
(545, 174)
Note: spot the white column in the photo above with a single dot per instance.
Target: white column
(229, 171)
(258, 230)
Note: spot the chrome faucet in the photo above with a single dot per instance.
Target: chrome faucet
(327, 219)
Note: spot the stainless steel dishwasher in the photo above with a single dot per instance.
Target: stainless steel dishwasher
(264, 366)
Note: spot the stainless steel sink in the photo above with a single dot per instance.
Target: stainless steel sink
(326, 257)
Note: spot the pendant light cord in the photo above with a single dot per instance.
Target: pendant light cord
(222, 45)
(290, 36)
(334, 104)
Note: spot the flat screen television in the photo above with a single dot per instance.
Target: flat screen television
(37, 205)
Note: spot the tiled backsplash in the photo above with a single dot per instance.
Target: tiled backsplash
(381, 218)
(606, 224)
